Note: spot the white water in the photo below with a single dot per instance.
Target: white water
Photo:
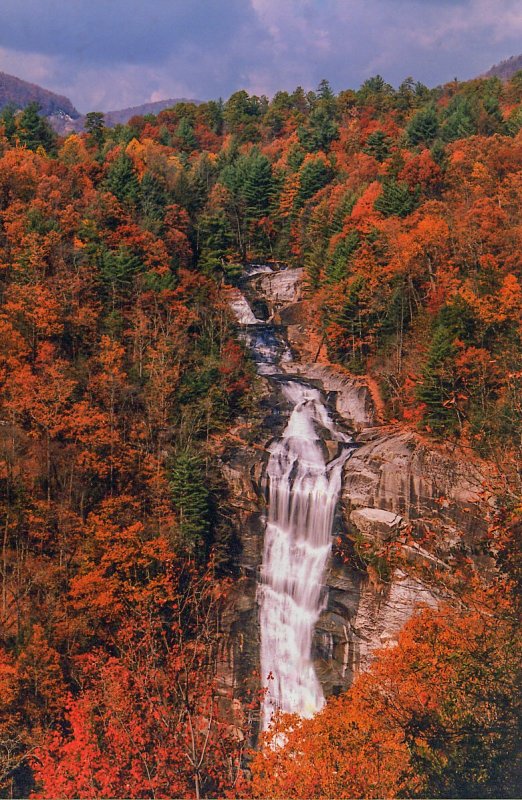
(304, 487)
(303, 492)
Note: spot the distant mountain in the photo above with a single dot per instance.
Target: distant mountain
(64, 125)
(506, 69)
(20, 93)
(125, 114)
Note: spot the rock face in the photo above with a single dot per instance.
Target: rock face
(397, 491)
(350, 396)
(396, 471)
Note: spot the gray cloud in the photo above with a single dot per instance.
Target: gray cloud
(112, 53)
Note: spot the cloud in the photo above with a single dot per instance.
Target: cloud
(112, 53)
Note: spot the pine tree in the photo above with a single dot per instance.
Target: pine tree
(34, 131)
(95, 126)
(337, 268)
(378, 146)
(314, 175)
(190, 496)
(152, 197)
(118, 269)
(257, 185)
(122, 180)
(185, 133)
(423, 128)
(397, 199)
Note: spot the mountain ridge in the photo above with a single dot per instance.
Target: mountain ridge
(505, 69)
(20, 93)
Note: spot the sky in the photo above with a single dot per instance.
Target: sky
(110, 54)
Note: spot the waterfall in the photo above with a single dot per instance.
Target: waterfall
(304, 484)
(304, 489)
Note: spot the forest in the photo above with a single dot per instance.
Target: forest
(122, 377)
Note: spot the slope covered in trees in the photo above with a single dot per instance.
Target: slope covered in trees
(120, 374)
(18, 94)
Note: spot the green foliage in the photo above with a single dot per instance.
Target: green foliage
(241, 115)
(215, 241)
(378, 146)
(320, 130)
(95, 126)
(475, 110)
(440, 386)
(118, 269)
(122, 180)
(185, 134)
(423, 128)
(314, 175)
(8, 121)
(397, 199)
(190, 497)
(34, 131)
(153, 197)
(337, 268)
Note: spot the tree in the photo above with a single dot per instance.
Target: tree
(423, 128)
(122, 180)
(147, 721)
(8, 120)
(314, 174)
(153, 197)
(191, 501)
(34, 131)
(397, 199)
(440, 390)
(95, 127)
(434, 716)
(378, 146)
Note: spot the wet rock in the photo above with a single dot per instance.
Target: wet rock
(352, 399)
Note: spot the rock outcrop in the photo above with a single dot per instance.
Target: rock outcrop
(397, 490)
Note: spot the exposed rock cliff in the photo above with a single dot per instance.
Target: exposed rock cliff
(397, 491)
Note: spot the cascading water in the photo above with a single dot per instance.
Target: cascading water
(303, 490)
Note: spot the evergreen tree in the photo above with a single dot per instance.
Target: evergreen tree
(378, 146)
(215, 241)
(95, 126)
(185, 133)
(191, 498)
(337, 269)
(397, 199)
(153, 197)
(34, 131)
(320, 130)
(122, 180)
(8, 120)
(256, 184)
(118, 269)
(440, 387)
(314, 175)
(423, 128)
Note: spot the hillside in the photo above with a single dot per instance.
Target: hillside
(139, 449)
(20, 93)
(506, 69)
